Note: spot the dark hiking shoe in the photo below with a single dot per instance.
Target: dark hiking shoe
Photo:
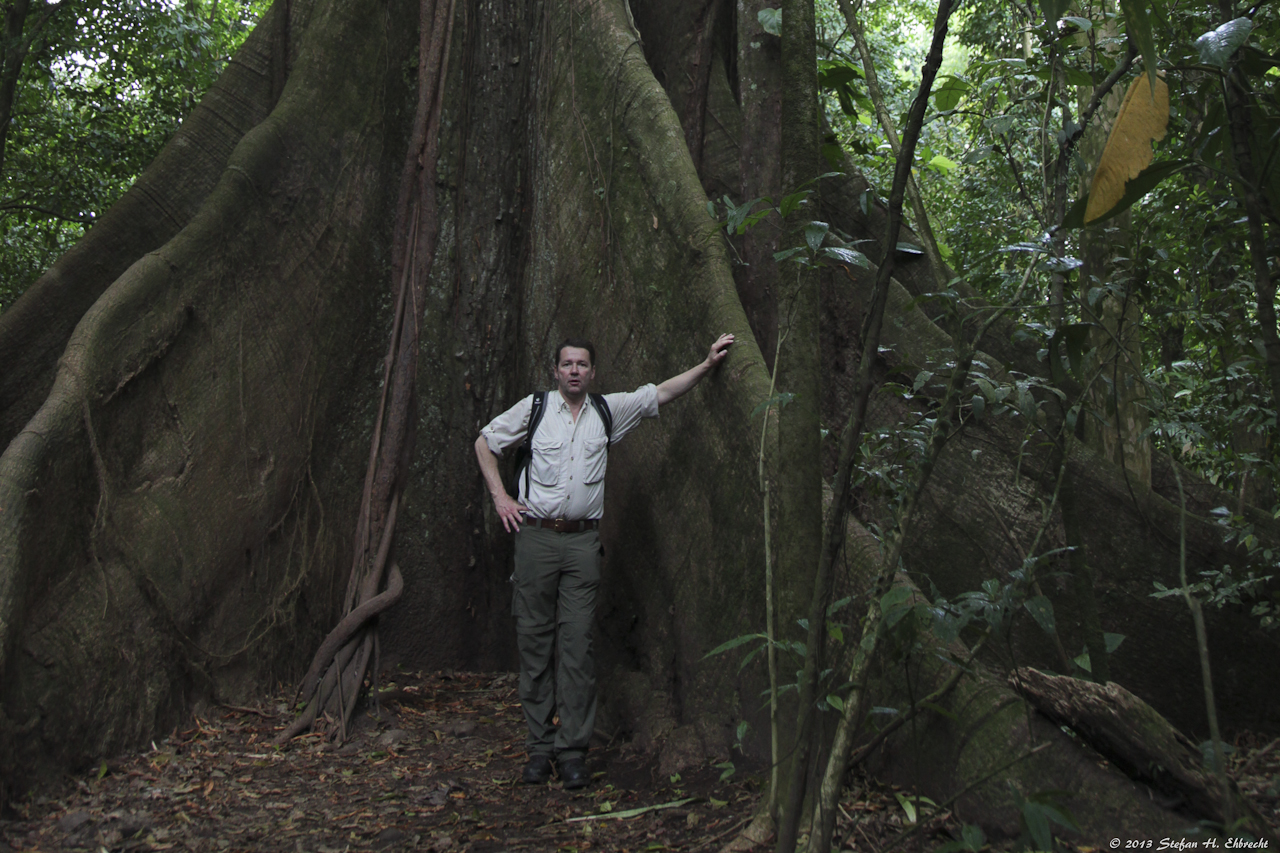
(574, 773)
(538, 770)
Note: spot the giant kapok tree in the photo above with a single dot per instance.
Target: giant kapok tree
(189, 398)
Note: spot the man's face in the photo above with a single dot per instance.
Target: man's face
(574, 373)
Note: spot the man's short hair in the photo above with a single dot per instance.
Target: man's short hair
(576, 343)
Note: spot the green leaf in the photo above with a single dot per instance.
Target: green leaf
(1113, 641)
(979, 406)
(942, 164)
(1053, 10)
(786, 254)
(839, 604)
(814, 233)
(832, 153)
(1134, 189)
(907, 806)
(1075, 336)
(910, 248)
(1074, 217)
(947, 95)
(1218, 46)
(1138, 23)
(835, 702)
(1078, 77)
(971, 840)
(1041, 609)
(771, 21)
(102, 770)
(793, 201)
(839, 254)
(734, 643)
(1000, 125)
(939, 710)
(895, 597)
(780, 400)
(1083, 23)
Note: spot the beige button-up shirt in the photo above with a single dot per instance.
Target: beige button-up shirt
(566, 469)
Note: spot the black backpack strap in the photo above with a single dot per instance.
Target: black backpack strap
(524, 454)
(606, 415)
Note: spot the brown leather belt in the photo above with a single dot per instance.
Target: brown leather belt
(563, 525)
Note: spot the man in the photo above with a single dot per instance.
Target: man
(557, 551)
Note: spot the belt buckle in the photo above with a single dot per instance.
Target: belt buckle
(561, 525)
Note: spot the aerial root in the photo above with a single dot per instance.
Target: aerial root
(337, 652)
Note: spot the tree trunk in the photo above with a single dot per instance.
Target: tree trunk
(188, 413)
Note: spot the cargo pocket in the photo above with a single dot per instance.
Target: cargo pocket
(544, 466)
(595, 458)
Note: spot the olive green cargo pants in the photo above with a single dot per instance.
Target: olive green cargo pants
(554, 603)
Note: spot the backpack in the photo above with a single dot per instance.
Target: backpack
(524, 453)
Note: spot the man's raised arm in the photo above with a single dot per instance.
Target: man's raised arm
(678, 385)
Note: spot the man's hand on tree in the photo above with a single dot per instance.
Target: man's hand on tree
(719, 350)
(509, 510)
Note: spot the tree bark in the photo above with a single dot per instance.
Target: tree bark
(176, 502)
(35, 329)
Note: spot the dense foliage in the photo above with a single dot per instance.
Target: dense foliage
(98, 87)
(988, 165)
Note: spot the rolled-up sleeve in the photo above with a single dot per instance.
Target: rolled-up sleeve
(508, 428)
(631, 407)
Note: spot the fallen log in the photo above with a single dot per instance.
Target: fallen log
(1139, 742)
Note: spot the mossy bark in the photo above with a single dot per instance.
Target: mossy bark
(35, 329)
(177, 509)
(173, 510)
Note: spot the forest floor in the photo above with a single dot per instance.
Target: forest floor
(437, 769)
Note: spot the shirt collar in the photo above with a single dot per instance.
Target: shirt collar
(563, 405)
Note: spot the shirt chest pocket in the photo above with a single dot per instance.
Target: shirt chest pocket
(595, 457)
(545, 464)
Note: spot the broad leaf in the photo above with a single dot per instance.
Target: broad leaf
(1041, 609)
(1074, 336)
(1218, 46)
(1053, 10)
(841, 255)
(1138, 23)
(895, 597)
(734, 643)
(1142, 119)
(771, 21)
(815, 233)
(792, 201)
(947, 95)
(1147, 180)
(943, 164)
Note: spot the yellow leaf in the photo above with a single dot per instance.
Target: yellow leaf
(1142, 119)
